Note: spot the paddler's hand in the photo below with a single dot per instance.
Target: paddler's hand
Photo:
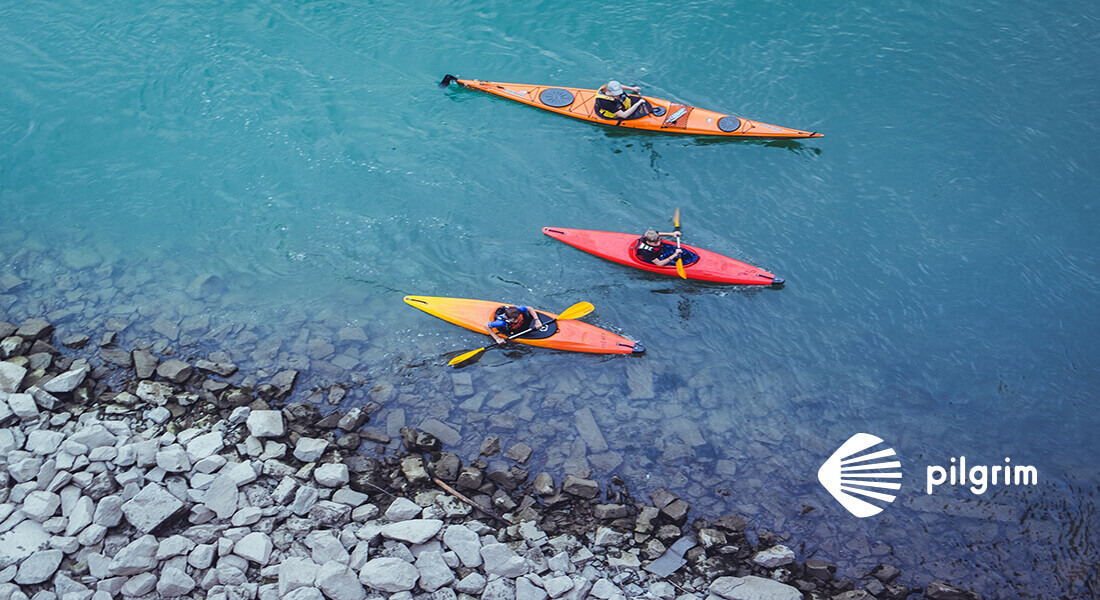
(678, 252)
(676, 233)
(501, 341)
(538, 323)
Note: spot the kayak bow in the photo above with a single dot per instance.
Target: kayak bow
(574, 336)
(667, 116)
(619, 247)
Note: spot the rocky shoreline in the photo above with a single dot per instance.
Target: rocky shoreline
(131, 475)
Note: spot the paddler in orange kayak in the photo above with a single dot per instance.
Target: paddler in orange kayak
(510, 320)
(613, 103)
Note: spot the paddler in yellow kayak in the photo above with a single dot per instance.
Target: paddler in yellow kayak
(613, 103)
(510, 320)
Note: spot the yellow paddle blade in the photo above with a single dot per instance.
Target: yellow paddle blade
(465, 357)
(680, 268)
(577, 311)
(676, 217)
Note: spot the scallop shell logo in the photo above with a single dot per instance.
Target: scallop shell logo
(850, 472)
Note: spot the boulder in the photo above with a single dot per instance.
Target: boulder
(753, 588)
(151, 506)
(389, 574)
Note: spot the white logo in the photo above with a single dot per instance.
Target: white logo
(848, 472)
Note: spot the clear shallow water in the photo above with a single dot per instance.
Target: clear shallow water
(939, 243)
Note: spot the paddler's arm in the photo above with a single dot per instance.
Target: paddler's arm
(493, 332)
(661, 262)
(535, 321)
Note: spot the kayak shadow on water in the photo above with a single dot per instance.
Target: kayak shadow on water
(647, 137)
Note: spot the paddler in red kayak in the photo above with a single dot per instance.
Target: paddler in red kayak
(613, 103)
(651, 249)
(510, 320)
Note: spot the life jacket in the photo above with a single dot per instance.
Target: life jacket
(618, 102)
(524, 322)
(649, 252)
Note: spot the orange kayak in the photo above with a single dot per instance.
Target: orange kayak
(575, 336)
(667, 116)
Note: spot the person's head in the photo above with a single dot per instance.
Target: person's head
(614, 88)
(651, 236)
(512, 314)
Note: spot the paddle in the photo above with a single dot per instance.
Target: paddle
(679, 261)
(576, 311)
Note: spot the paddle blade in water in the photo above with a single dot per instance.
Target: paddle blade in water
(461, 358)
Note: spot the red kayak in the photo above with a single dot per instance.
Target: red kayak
(619, 247)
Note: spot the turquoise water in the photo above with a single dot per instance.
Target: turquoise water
(939, 243)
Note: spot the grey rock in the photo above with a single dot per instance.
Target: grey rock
(402, 509)
(776, 556)
(39, 567)
(154, 392)
(40, 505)
(76, 341)
(304, 499)
(473, 584)
(139, 585)
(941, 590)
(500, 559)
(584, 488)
(414, 531)
(222, 369)
(325, 547)
(152, 506)
(309, 593)
(753, 588)
(35, 329)
(174, 582)
(525, 590)
(309, 449)
(66, 382)
(332, 474)
(590, 431)
(11, 377)
(173, 459)
(205, 445)
(108, 512)
(604, 589)
(465, 543)
(434, 572)
(138, 556)
(202, 556)
(145, 363)
(610, 511)
(446, 434)
(174, 370)
(519, 452)
(332, 514)
(558, 586)
(23, 405)
(43, 441)
(256, 547)
(283, 381)
(221, 497)
(296, 573)
(265, 423)
(499, 589)
(389, 574)
(338, 582)
(175, 545)
(80, 515)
